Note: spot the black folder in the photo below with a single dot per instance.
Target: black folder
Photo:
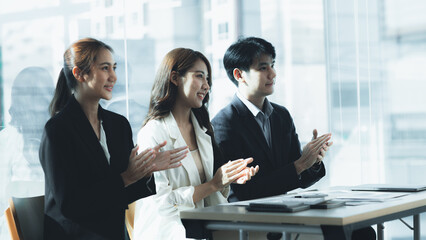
(328, 205)
(276, 207)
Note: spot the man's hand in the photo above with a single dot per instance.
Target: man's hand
(313, 152)
(324, 149)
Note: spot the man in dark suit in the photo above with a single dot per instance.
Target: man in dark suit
(251, 126)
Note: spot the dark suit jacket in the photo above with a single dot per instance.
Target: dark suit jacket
(240, 136)
(85, 197)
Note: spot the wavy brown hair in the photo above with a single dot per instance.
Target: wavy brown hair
(164, 92)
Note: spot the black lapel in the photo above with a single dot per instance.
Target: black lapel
(252, 126)
(86, 133)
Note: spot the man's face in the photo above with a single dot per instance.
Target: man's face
(259, 81)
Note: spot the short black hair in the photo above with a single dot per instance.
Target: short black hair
(242, 53)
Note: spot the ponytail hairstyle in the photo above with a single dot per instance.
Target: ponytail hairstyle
(164, 92)
(81, 54)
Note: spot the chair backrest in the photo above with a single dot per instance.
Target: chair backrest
(12, 224)
(28, 214)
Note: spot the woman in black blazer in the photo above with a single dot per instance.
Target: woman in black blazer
(92, 171)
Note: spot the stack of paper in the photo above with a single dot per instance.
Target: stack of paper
(354, 196)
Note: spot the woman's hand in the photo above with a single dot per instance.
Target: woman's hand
(233, 171)
(140, 165)
(249, 172)
(151, 160)
(230, 172)
(168, 159)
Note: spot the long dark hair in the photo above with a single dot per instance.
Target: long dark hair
(81, 54)
(164, 92)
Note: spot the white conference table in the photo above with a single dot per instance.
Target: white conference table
(334, 224)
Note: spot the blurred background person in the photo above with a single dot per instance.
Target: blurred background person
(21, 174)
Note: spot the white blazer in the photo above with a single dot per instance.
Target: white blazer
(157, 216)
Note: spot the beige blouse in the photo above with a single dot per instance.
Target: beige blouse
(197, 159)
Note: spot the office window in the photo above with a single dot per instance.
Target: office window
(108, 3)
(375, 69)
(350, 95)
(98, 28)
(145, 14)
(207, 5)
(135, 18)
(223, 30)
(109, 24)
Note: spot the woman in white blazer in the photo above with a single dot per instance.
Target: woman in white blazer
(178, 114)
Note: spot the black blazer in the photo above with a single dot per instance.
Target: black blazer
(85, 197)
(240, 136)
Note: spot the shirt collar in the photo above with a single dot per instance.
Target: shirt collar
(253, 108)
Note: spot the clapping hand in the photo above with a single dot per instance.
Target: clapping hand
(168, 159)
(140, 165)
(323, 150)
(233, 171)
(248, 173)
(313, 152)
(151, 160)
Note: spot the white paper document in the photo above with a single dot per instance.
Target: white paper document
(348, 195)
(315, 197)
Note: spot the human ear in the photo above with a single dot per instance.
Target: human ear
(174, 78)
(238, 75)
(77, 74)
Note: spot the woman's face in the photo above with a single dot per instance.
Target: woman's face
(193, 86)
(101, 79)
